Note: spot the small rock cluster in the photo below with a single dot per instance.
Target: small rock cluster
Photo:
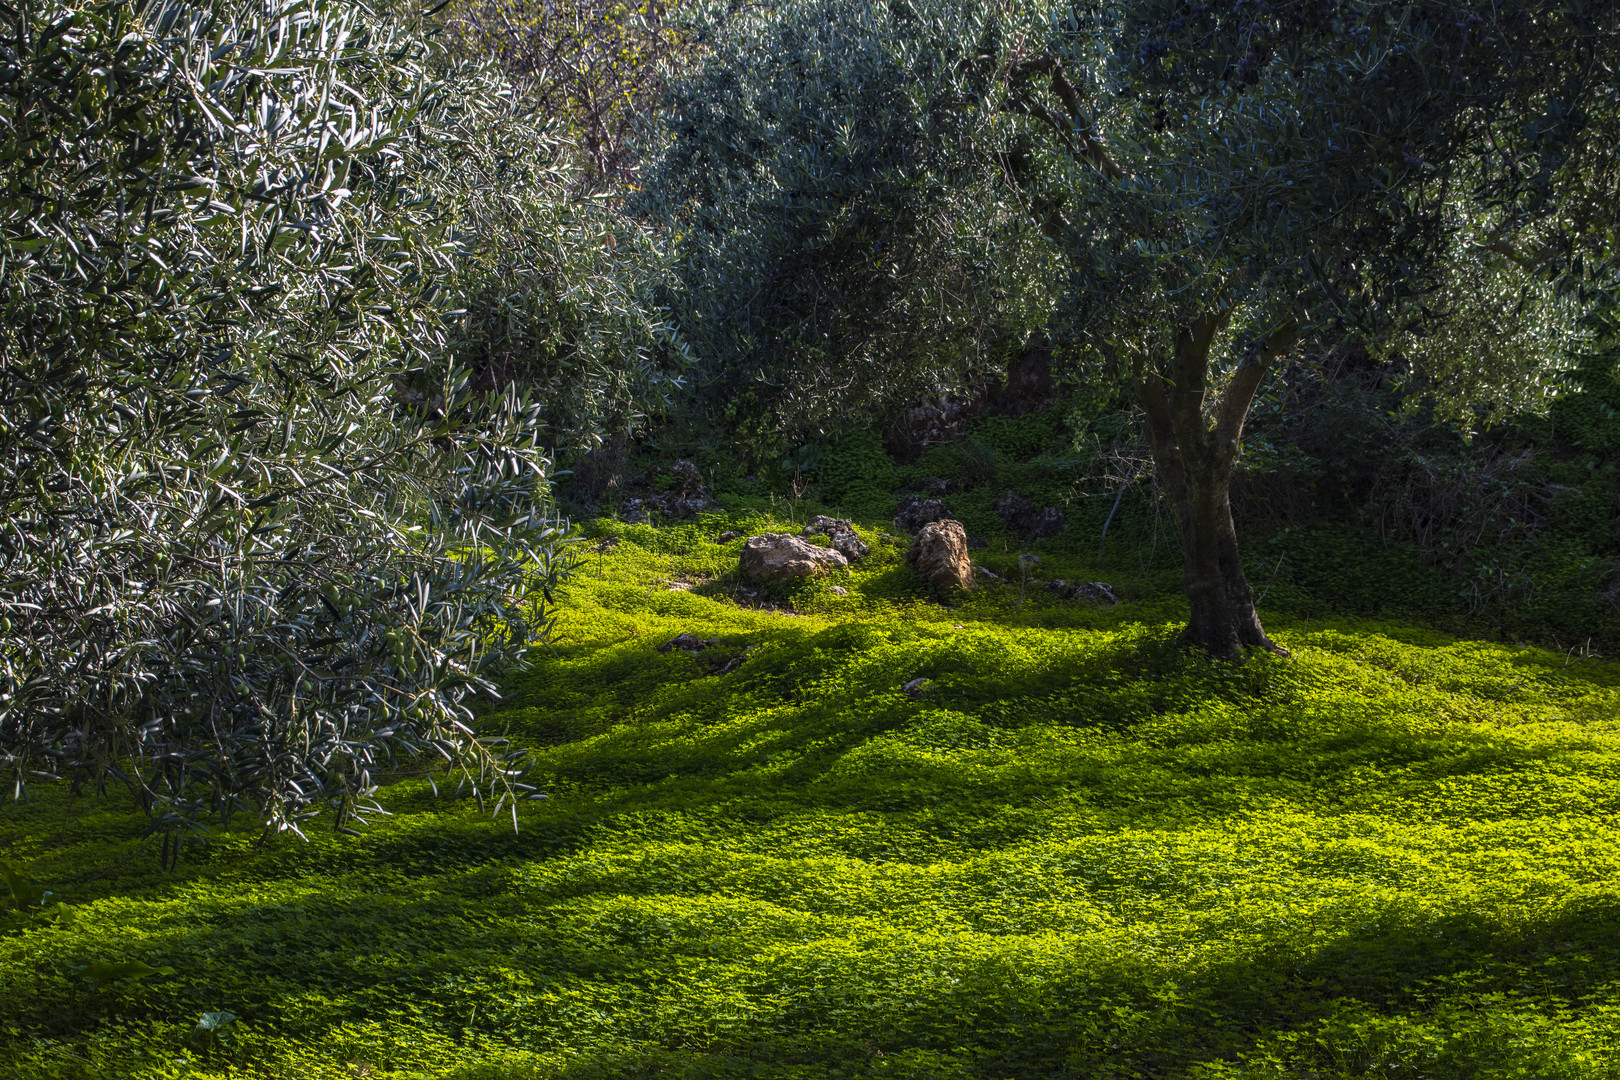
(691, 644)
(685, 498)
(918, 510)
(933, 421)
(841, 531)
(1030, 523)
(688, 643)
(1095, 591)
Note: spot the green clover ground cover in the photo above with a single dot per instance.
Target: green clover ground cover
(1079, 853)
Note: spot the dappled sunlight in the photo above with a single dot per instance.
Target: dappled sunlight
(1077, 849)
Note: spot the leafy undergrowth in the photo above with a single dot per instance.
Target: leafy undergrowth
(1078, 853)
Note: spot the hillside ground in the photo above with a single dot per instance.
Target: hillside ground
(1077, 853)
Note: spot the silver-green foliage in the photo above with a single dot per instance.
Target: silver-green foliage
(559, 296)
(823, 174)
(260, 538)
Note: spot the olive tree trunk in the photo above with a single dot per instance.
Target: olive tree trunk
(1195, 447)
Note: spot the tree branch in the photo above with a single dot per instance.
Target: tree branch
(1089, 145)
(1190, 372)
(1155, 401)
(1234, 406)
(1526, 260)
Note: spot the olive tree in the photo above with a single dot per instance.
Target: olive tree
(819, 176)
(1230, 182)
(559, 296)
(261, 536)
(1219, 185)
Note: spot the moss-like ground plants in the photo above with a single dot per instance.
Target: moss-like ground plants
(1075, 851)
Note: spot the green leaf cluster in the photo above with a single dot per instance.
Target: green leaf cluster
(262, 533)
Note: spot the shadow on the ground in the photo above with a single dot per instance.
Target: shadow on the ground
(429, 915)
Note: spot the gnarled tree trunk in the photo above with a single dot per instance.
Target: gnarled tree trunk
(1194, 451)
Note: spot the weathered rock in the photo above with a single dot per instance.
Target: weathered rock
(985, 573)
(733, 664)
(915, 688)
(915, 512)
(686, 495)
(842, 533)
(1012, 507)
(933, 421)
(688, 643)
(1095, 591)
(851, 546)
(838, 590)
(940, 554)
(777, 556)
(1047, 523)
(1031, 523)
(727, 537)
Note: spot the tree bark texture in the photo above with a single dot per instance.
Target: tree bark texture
(1195, 449)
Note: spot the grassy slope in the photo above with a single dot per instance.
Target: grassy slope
(1080, 854)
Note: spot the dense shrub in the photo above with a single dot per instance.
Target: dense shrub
(558, 296)
(262, 537)
(593, 66)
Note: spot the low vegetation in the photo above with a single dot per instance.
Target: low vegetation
(1077, 851)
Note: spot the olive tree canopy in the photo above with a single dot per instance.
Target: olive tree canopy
(857, 194)
(1231, 181)
(820, 177)
(261, 535)
(594, 66)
